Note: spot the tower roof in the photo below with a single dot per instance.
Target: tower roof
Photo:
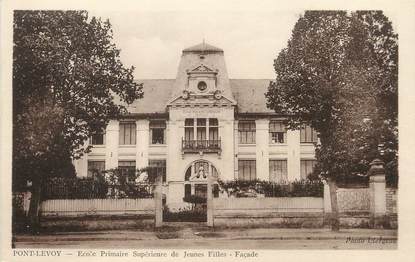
(202, 47)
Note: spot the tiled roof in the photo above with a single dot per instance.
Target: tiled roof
(249, 94)
(156, 96)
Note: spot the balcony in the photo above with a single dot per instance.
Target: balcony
(201, 146)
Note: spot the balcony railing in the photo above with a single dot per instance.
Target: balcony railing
(189, 146)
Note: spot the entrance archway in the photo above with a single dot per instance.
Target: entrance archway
(200, 185)
(196, 178)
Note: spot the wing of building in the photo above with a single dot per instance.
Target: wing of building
(199, 124)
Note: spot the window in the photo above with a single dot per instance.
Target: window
(157, 132)
(127, 169)
(127, 133)
(213, 129)
(97, 139)
(246, 170)
(203, 126)
(188, 129)
(201, 129)
(202, 85)
(307, 167)
(308, 135)
(278, 170)
(95, 167)
(159, 166)
(277, 132)
(246, 132)
(187, 190)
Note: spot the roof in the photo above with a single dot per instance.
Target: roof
(249, 94)
(202, 47)
(155, 98)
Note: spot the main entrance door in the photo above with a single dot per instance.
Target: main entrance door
(195, 194)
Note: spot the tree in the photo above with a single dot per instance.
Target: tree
(339, 75)
(67, 78)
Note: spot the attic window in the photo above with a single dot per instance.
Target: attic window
(202, 57)
(201, 85)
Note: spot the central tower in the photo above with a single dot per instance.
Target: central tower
(201, 112)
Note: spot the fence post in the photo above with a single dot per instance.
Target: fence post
(158, 198)
(326, 203)
(209, 202)
(377, 187)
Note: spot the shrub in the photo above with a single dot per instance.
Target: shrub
(298, 188)
(185, 215)
(74, 188)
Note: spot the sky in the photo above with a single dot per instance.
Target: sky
(152, 41)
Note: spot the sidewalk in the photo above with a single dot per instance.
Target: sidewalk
(207, 233)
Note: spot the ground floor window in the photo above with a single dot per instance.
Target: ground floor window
(127, 170)
(246, 170)
(159, 166)
(95, 167)
(307, 167)
(278, 170)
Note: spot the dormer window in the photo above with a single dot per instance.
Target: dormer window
(202, 85)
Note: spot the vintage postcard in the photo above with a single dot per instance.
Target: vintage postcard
(206, 130)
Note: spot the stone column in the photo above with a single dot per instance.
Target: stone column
(111, 147)
(326, 204)
(293, 154)
(81, 165)
(377, 187)
(226, 168)
(326, 198)
(158, 205)
(209, 202)
(142, 143)
(262, 150)
(236, 145)
(175, 174)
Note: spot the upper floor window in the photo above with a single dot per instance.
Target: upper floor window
(246, 131)
(157, 132)
(246, 170)
(278, 170)
(308, 135)
(206, 129)
(277, 132)
(201, 85)
(97, 139)
(127, 133)
(201, 129)
(307, 167)
(213, 129)
(189, 129)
